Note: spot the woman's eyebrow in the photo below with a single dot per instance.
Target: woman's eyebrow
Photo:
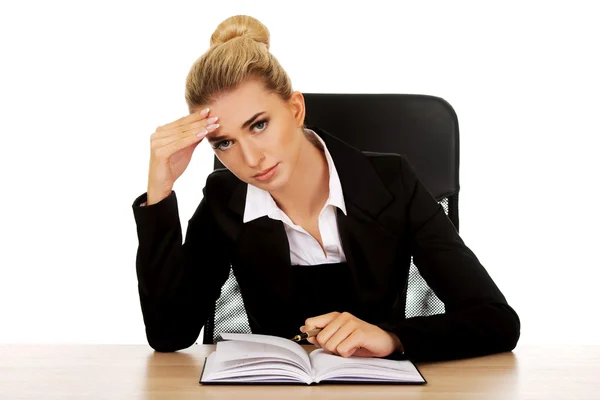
(213, 139)
(252, 119)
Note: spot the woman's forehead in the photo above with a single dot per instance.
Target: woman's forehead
(237, 107)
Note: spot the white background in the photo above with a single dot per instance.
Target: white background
(84, 84)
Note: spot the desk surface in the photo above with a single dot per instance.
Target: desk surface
(137, 372)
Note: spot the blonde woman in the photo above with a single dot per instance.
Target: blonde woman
(319, 234)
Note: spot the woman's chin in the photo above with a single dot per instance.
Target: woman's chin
(273, 185)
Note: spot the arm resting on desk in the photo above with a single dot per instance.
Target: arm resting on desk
(478, 319)
(178, 284)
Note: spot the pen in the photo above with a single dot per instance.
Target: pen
(305, 335)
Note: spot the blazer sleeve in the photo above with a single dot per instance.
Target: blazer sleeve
(177, 283)
(478, 319)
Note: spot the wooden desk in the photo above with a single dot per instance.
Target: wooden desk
(137, 372)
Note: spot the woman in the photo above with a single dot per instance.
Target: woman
(319, 235)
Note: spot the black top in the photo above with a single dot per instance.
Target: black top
(321, 289)
(391, 217)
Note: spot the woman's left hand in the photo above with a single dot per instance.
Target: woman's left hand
(346, 335)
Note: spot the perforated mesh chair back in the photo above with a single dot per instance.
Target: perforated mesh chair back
(423, 128)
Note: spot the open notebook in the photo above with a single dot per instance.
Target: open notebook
(263, 359)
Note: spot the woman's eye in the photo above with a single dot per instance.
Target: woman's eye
(261, 125)
(223, 145)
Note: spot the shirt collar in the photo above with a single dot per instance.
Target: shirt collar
(260, 203)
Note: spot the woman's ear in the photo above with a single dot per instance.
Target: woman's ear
(298, 109)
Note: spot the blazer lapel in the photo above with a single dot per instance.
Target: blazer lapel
(370, 248)
(262, 245)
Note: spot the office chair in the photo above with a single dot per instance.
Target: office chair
(423, 128)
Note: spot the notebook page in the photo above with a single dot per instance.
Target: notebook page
(273, 340)
(258, 371)
(329, 366)
(254, 363)
(239, 351)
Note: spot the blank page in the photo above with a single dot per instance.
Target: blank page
(329, 366)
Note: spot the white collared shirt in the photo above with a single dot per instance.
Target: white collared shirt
(304, 249)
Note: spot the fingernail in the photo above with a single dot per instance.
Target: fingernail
(212, 120)
(202, 133)
(205, 111)
(212, 127)
(302, 329)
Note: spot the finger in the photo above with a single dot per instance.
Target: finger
(197, 116)
(320, 321)
(351, 344)
(194, 126)
(173, 147)
(176, 136)
(312, 340)
(343, 331)
(332, 327)
(182, 135)
(362, 352)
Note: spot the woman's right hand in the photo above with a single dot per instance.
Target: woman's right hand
(171, 147)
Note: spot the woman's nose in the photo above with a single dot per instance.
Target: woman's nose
(253, 155)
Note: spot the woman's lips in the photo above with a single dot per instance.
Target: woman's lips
(267, 174)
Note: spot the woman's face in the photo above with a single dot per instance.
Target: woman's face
(259, 136)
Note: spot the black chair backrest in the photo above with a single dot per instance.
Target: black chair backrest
(423, 128)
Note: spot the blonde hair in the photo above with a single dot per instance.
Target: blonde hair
(239, 49)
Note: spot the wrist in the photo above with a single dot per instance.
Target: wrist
(153, 196)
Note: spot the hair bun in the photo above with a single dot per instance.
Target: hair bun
(240, 26)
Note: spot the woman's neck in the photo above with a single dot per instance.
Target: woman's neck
(308, 188)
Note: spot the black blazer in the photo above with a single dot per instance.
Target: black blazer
(391, 216)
